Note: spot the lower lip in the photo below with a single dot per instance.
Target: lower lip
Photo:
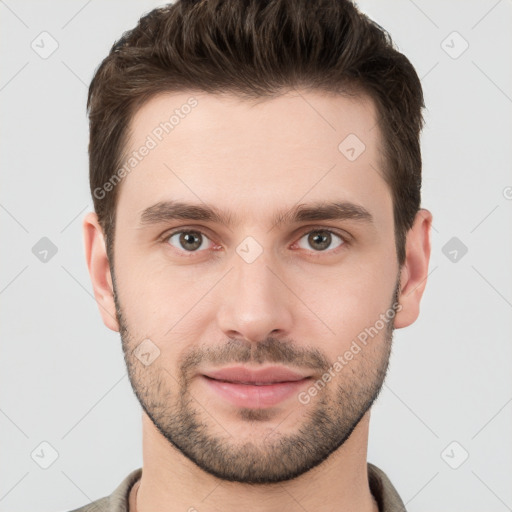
(252, 396)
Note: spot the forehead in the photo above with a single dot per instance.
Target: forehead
(291, 148)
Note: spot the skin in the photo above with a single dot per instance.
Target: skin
(295, 304)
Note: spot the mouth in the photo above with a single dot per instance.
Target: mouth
(249, 383)
(256, 376)
(255, 389)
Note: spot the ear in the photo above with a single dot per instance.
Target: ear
(99, 270)
(414, 272)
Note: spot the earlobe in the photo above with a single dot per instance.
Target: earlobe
(414, 272)
(99, 270)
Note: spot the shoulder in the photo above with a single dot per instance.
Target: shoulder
(384, 491)
(115, 502)
(101, 505)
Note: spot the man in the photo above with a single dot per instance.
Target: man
(257, 236)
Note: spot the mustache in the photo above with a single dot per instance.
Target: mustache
(271, 350)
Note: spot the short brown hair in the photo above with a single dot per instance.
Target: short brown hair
(258, 49)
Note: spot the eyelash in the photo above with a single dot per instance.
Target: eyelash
(345, 239)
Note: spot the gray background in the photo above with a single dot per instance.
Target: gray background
(63, 379)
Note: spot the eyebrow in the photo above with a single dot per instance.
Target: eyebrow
(165, 211)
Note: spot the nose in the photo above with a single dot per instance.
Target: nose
(255, 301)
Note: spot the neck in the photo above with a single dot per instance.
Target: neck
(171, 482)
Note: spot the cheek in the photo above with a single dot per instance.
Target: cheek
(350, 301)
(164, 305)
(140, 298)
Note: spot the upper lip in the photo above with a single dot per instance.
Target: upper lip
(255, 376)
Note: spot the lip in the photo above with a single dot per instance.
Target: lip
(268, 375)
(255, 389)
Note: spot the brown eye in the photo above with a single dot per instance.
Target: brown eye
(321, 240)
(189, 241)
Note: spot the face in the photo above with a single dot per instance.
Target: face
(285, 258)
